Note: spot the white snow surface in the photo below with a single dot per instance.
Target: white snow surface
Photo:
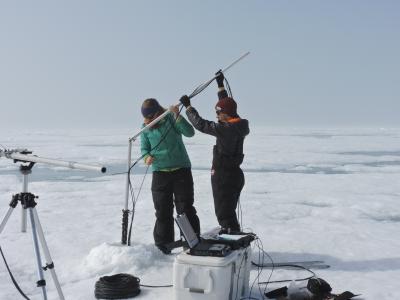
(310, 194)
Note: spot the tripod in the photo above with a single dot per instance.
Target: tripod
(28, 205)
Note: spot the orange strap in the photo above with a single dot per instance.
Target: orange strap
(234, 120)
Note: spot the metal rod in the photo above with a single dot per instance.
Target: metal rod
(37, 253)
(46, 252)
(56, 162)
(160, 117)
(125, 211)
(235, 62)
(127, 177)
(5, 219)
(156, 120)
(227, 68)
(24, 190)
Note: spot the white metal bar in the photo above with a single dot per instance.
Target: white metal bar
(127, 175)
(235, 62)
(56, 162)
(156, 120)
(160, 117)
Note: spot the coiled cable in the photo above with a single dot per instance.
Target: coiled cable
(119, 286)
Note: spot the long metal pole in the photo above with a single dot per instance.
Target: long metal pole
(160, 117)
(125, 211)
(127, 178)
(68, 164)
(228, 67)
(155, 121)
(235, 62)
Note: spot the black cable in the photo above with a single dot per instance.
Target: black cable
(273, 266)
(134, 202)
(283, 265)
(229, 88)
(119, 286)
(12, 277)
(272, 270)
(200, 88)
(288, 280)
(260, 267)
(157, 286)
(257, 244)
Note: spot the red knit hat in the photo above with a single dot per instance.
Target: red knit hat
(227, 106)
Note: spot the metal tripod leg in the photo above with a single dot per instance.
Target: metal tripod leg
(37, 235)
(49, 262)
(41, 283)
(5, 219)
(13, 204)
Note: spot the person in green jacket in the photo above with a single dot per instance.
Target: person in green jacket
(172, 182)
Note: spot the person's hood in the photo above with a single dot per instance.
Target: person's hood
(241, 126)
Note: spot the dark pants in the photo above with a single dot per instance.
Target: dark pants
(227, 185)
(169, 188)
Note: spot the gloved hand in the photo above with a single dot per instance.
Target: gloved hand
(175, 110)
(185, 100)
(149, 160)
(220, 78)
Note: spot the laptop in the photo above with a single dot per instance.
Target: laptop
(197, 246)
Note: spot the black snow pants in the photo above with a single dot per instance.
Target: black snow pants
(168, 188)
(227, 185)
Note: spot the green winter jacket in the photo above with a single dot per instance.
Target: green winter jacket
(171, 153)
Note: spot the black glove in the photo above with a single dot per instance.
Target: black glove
(220, 78)
(185, 100)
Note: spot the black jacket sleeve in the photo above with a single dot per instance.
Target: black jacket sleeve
(208, 127)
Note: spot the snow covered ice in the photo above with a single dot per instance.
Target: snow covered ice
(330, 195)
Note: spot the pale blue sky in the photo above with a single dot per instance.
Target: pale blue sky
(92, 63)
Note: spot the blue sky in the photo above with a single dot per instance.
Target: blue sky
(91, 64)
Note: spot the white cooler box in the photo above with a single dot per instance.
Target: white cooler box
(212, 278)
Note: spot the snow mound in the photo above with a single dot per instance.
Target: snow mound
(116, 258)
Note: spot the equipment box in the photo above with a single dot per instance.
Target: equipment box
(212, 278)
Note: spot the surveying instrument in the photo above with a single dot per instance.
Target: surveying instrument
(28, 204)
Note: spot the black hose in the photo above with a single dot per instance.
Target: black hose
(12, 277)
(119, 286)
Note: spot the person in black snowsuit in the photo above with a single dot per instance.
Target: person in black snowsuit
(227, 178)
